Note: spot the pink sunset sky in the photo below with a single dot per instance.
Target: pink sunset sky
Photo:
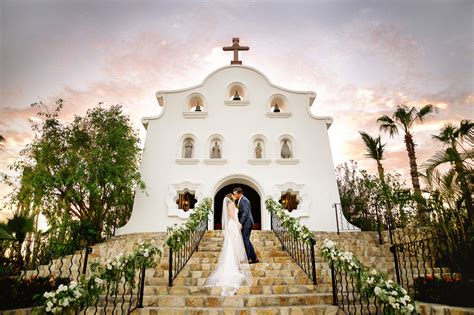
(362, 58)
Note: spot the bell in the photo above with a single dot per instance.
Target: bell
(198, 108)
(237, 96)
(276, 109)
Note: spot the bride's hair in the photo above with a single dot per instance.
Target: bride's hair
(230, 196)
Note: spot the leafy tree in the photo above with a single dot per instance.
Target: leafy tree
(403, 119)
(86, 170)
(459, 155)
(364, 197)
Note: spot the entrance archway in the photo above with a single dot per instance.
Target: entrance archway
(252, 195)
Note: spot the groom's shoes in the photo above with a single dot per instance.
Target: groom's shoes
(254, 261)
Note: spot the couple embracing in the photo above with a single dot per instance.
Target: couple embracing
(232, 270)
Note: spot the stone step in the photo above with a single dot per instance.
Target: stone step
(304, 280)
(281, 310)
(252, 300)
(255, 273)
(262, 289)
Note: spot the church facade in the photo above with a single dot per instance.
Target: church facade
(236, 128)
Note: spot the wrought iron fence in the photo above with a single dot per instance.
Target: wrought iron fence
(347, 296)
(434, 257)
(179, 257)
(52, 264)
(301, 252)
(121, 298)
(341, 222)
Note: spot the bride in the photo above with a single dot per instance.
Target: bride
(232, 270)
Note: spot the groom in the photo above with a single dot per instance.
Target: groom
(246, 219)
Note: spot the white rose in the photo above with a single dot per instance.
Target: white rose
(48, 309)
(410, 308)
(377, 290)
(49, 304)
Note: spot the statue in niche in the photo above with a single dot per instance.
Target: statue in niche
(258, 151)
(276, 109)
(188, 149)
(285, 150)
(216, 151)
(237, 96)
(198, 108)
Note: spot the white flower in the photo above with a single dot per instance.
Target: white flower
(404, 292)
(377, 290)
(407, 298)
(391, 299)
(72, 285)
(394, 293)
(66, 302)
(49, 304)
(98, 281)
(77, 294)
(370, 280)
(373, 272)
(388, 284)
(61, 288)
(48, 309)
(145, 253)
(410, 308)
(109, 266)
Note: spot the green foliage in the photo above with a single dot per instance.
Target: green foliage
(392, 296)
(115, 274)
(24, 293)
(363, 194)
(179, 234)
(82, 174)
(445, 290)
(296, 230)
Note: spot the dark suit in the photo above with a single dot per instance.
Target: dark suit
(246, 219)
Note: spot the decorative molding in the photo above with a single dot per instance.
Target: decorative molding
(236, 103)
(278, 115)
(184, 161)
(259, 161)
(287, 161)
(174, 191)
(195, 114)
(215, 161)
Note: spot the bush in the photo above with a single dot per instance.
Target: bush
(447, 290)
(26, 292)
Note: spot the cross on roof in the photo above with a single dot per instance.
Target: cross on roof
(235, 47)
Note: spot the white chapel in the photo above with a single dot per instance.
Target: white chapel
(236, 128)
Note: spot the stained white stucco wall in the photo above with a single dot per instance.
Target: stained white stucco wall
(164, 172)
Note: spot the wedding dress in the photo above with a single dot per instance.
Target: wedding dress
(232, 270)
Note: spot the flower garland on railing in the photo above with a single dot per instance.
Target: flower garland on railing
(296, 230)
(179, 234)
(115, 272)
(369, 283)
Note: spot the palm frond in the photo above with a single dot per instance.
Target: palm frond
(374, 146)
(425, 111)
(387, 124)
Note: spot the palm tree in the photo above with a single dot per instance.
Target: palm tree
(403, 119)
(2, 140)
(17, 228)
(460, 158)
(375, 150)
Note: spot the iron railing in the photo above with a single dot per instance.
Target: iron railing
(341, 222)
(434, 257)
(347, 296)
(121, 298)
(179, 257)
(50, 264)
(301, 252)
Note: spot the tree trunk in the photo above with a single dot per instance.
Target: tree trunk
(466, 193)
(410, 145)
(381, 171)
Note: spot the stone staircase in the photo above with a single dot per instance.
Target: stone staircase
(280, 285)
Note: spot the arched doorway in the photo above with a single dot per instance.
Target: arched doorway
(251, 194)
